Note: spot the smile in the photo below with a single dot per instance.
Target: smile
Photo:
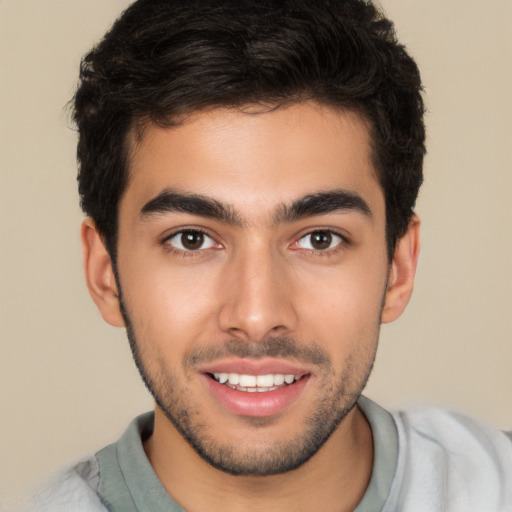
(255, 383)
(252, 392)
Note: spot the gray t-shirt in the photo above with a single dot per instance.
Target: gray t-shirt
(425, 460)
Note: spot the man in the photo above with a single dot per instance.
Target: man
(249, 172)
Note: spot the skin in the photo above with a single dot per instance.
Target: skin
(256, 280)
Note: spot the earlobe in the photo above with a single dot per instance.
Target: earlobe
(402, 272)
(99, 274)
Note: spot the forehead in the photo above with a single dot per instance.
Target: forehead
(255, 160)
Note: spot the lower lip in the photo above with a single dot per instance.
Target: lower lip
(256, 404)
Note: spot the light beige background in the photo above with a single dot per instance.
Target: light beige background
(68, 386)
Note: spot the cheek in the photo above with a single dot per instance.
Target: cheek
(343, 308)
(168, 305)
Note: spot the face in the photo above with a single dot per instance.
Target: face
(252, 266)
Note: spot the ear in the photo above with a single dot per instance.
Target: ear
(401, 273)
(99, 274)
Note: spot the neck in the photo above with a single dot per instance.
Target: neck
(336, 476)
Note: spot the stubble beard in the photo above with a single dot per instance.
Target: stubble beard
(277, 456)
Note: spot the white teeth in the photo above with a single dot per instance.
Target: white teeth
(247, 381)
(265, 381)
(252, 383)
(279, 379)
(234, 379)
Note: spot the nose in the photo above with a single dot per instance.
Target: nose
(257, 296)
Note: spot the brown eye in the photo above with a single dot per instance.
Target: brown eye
(191, 240)
(320, 240)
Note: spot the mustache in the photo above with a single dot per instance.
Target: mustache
(275, 347)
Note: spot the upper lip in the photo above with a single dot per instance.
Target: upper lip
(265, 366)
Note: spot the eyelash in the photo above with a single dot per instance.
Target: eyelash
(329, 251)
(340, 246)
(190, 252)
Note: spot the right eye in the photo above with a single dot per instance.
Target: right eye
(320, 240)
(190, 240)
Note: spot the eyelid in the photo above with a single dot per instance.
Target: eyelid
(184, 229)
(334, 241)
(343, 243)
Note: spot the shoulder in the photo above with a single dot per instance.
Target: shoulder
(448, 461)
(453, 433)
(73, 489)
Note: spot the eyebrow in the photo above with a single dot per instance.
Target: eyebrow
(320, 203)
(170, 201)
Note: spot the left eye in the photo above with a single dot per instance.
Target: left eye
(320, 241)
(191, 240)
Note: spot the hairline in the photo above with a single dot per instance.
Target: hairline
(140, 124)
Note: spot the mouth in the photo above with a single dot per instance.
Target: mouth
(255, 388)
(255, 383)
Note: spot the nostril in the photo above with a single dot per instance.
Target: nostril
(257, 313)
